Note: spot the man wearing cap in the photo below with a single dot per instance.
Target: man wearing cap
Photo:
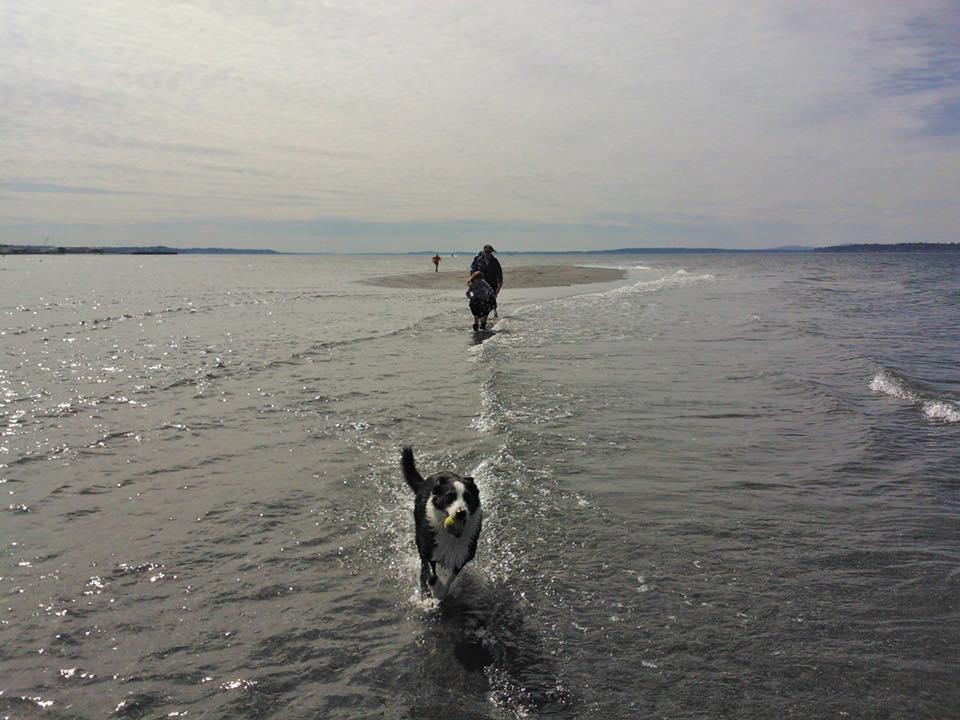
(486, 263)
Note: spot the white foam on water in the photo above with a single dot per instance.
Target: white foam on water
(942, 410)
(494, 415)
(936, 409)
(677, 279)
(486, 420)
(889, 384)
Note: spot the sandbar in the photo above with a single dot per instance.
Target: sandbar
(523, 276)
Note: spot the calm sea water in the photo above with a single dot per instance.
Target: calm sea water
(724, 487)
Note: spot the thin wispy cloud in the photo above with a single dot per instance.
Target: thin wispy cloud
(402, 125)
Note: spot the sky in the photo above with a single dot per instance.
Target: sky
(394, 125)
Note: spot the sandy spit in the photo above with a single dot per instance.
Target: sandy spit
(529, 276)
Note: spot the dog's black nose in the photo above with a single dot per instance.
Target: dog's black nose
(461, 515)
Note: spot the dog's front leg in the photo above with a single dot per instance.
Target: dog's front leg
(443, 581)
(428, 577)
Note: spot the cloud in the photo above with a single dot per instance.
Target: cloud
(755, 124)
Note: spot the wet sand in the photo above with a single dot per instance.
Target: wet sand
(518, 277)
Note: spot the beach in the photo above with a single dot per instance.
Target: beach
(530, 276)
(723, 486)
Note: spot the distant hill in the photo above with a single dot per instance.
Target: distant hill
(161, 249)
(895, 247)
(126, 250)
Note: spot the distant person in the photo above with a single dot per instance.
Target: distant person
(482, 299)
(489, 266)
(436, 263)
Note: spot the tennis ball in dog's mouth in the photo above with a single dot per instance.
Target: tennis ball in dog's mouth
(452, 525)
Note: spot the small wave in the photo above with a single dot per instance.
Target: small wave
(936, 409)
(495, 414)
(486, 421)
(889, 384)
(942, 410)
(680, 278)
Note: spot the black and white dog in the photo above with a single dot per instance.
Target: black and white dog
(447, 517)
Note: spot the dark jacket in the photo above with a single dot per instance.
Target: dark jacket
(490, 267)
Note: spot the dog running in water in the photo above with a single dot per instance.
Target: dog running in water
(447, 518)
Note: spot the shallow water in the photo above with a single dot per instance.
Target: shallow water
(723, 487)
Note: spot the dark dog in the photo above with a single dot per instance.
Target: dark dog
(447, 517)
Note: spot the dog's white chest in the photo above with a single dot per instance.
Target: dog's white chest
(451, 552)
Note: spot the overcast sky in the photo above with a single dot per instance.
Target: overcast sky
(552, 124)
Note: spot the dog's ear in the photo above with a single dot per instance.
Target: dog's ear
(469, 481)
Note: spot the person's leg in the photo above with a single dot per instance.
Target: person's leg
(475, 311)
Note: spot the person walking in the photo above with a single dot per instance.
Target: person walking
(482, 299)
(436, 263)
(489, 266)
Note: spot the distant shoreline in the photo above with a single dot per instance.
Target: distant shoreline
(530, 276)
(895, 247)
(6, 249)
(126, 250)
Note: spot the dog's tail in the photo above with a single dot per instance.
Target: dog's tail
(414, 479)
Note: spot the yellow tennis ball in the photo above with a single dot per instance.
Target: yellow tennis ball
(449, 522)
